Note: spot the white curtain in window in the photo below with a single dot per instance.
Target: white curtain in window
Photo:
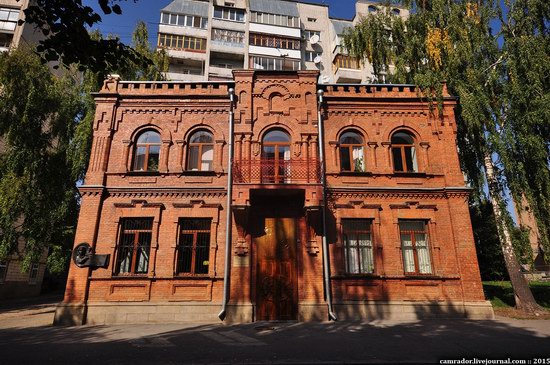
(365, 248)
(207, 158)
(408, 254)
(423, 252)
(358, 160)
(287, 167)
(143, 260)
(351, 256)
(413, 155)
(126, 261)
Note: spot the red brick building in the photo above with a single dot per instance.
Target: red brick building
(396, 243)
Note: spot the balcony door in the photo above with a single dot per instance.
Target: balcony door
(276, 157)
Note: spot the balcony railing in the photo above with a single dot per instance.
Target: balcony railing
(267, 171)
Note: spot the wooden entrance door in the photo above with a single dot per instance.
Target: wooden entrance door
(276, 291)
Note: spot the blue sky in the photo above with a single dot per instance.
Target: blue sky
(149, 12)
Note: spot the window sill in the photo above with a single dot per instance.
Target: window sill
(356, 276)
(128, 277)
(143, 173)
(192, 277)
(198, 173)
(409, 174)
(355, 173)
(393, 277)
(229, 20)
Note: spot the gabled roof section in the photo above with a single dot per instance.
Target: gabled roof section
(188, 7)
(275, 7)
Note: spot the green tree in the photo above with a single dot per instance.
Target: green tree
(45, 143)
(502, 132)
(37, 194)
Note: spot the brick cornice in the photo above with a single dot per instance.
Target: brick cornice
(174, 192)
(400, 193)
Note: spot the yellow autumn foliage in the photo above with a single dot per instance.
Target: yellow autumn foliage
(437, 41)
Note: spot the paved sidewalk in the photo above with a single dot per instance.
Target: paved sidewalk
(27, 338)
(28, 312)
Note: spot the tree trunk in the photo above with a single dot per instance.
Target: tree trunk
(524, 299)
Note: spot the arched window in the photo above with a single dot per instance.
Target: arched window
(403, 152)
(276, 154)
(147, 152)
(201, 151)
(395, 11)
(372, 9)
(351, 152)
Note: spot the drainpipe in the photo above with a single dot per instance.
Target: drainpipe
(326, 268)
(227, 265)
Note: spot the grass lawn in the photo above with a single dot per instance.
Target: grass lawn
(501, 295)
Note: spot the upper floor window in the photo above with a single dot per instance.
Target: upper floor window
(3, 271)
(310, 33)
(269, 63)
(265, 40)
(357, 237)
(414, 243)
(134, 245)
(227, 36)
(184, 20)
(395, 11)
(194, 246)
(276, 153)
(403, 152)
(147, 152)
(180, 42)
(351, 152)
(229, 13)
(275, 19)
(8, 18)
(372, 9)
(201, 151)
(343, 61)
(311, 56)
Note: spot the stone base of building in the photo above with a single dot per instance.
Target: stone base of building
(406, 310)
(137, 312)
(69, 314)
(166, 312)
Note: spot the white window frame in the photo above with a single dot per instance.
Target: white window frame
(33, 273)
(4, 274)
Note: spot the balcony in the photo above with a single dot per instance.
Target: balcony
(267, 171)
(348, 75)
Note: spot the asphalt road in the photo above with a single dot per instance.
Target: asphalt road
(26, 337)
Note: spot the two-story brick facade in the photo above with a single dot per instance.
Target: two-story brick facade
(396, 240)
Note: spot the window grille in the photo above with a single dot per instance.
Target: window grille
(134, 246)
(193, 248)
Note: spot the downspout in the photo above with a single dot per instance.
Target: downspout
(227, 264)
(326, 268)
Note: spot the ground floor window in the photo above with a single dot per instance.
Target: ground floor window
(194, 246)
(357, 238)
(3, 271)
(33, 275)
(414, 243)
(134, 245)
